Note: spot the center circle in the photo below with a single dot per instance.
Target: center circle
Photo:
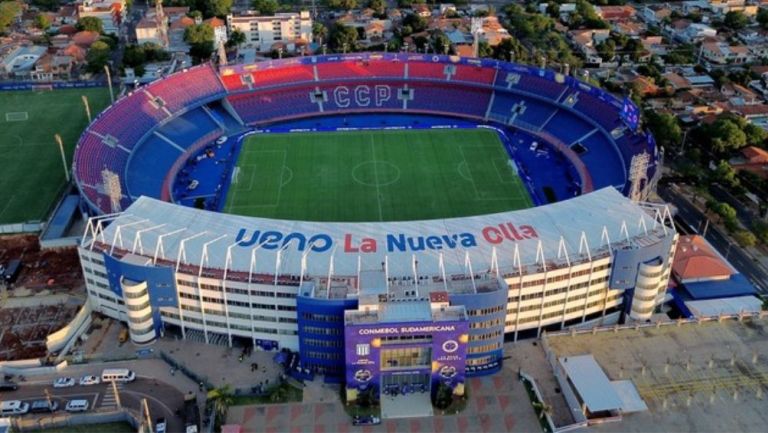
(376, 173)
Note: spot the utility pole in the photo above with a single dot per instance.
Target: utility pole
(87, 108)
(109, 83)
(48, 397)
(63, 157)
(145, 406)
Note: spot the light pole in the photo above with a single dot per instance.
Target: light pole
(63, 157)
(682, 145)
(87, 108)
(109, 83)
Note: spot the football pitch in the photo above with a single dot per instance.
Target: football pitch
(375, 176)
(31, 170)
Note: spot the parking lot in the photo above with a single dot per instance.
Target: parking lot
(163, 399)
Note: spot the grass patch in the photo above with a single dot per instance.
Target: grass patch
(112, 427)
(538, 406)
(31, 171)
(375, 176)
(283, 393)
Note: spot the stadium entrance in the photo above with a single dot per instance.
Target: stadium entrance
(400, 349)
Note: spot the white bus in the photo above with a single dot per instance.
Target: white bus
(117, 375)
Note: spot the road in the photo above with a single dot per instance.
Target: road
(731, 251)
(163, 399)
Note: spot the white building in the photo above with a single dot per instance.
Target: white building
(263, 32)
(112, 13)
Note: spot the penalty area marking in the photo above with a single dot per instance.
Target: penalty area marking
(16, 116)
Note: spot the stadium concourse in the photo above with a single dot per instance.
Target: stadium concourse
(392, 302)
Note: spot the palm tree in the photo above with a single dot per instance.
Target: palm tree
(222, 397)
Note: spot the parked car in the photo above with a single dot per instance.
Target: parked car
(8, 386)
(160, 425)
(13, 407)
(43, 406)
(63, 382)
(90, 380)
(76, 406)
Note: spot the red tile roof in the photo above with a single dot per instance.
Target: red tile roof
(695, 260)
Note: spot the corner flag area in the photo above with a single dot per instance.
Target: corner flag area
(31, 170)
(394, 175)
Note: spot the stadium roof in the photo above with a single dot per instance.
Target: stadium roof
(432, 247)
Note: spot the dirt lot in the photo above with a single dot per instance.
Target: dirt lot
(23, 330)
(55, 270)
(38, 302)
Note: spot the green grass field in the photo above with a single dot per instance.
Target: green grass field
(375, 176)
(31, 172)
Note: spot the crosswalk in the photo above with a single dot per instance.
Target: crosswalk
(109, 401)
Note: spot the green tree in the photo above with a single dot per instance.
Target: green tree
(736, 20)
(379, 6)
(48, 5)
(607, 49)
(319, 31)
(341, 4)
(90, 24)
(745, 238)
(762, 17)
(416, 22)
(97, 57)
(484, 50)
(222, 398)
(236, 38)
(510, 49)
(666, 130)
(219, 8)
(42, 22)
(134, 55)
(200, 39)
(8, 12)
(553, 10)
(725, 174)
(342, 38)
(726, 135)
(440, 43)
(265, 7)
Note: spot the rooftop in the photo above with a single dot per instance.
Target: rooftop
(701, 377)
(458, 244)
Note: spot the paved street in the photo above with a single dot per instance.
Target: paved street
(731, 251)
(163, 399)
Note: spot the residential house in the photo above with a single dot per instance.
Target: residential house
(20, 60)
(752, 159)
(492, 32)
(262, 32)
(422, 10)
(614, 14)
(176, 29)
(722, 7)
(689, 32)
(219, 30)
(720, 53)
(112, 13)
(655, 45)
(655, 13)
(629, 28)
(52, 67)
(586, 41)
(447, 8)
